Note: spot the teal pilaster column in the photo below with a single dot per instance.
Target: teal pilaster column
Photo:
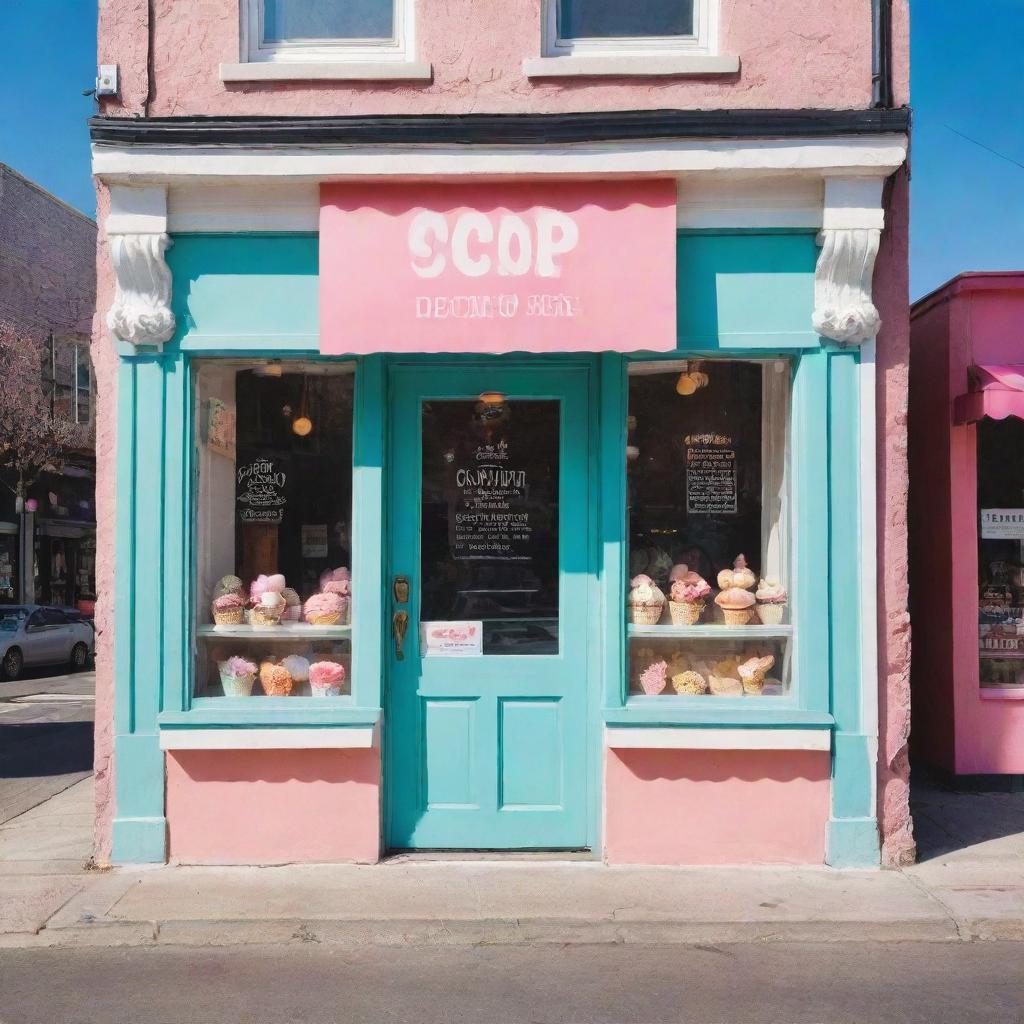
(140, 827)
(853, 827)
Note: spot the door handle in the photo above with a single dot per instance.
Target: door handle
(400, 625)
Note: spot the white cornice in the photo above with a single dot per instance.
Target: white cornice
(137, 235)
(873, 156)
(852, 222)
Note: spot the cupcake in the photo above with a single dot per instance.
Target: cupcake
(275, 679)
(297, 667)
(323, 610)
(268, 609)
(686, 598)
(229, 585)
(737, 606)
(645, 601)
(689, 683)
(237, 676)
(654, 678)
(228, 610)
(752, 673)
(724, 679)
(292, 606)
(334, 576)
(343, 588)
(325, 678)
(771, 602)
(738, 576)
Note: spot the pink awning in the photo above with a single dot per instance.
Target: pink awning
(996, 392)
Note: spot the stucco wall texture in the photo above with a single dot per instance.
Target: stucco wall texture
(793, 55)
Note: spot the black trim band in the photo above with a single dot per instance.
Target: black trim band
(495, 129)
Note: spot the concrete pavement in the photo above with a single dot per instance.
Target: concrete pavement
(49, 898)
(918, 983)
(46, 737)
(969, 885)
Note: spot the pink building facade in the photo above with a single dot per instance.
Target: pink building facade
(966, 410)
(333, 265)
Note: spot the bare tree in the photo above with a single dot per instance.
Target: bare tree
(33, 439)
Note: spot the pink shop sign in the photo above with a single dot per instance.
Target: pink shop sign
(498, 267)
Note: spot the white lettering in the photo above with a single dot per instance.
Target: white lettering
(424, 224)
(512, 227)
(557, 234)
(471, 223)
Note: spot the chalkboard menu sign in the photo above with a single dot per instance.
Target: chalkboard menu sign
(492, 519)
(710, 475)
(259, 491)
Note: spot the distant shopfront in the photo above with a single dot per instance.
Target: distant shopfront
(967, 536)
(498, 516)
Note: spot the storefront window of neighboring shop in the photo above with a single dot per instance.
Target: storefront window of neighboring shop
(273, 529)
(1001, 553)
(707, 602)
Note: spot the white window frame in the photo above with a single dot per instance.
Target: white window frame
(311, 51)
(703, 41)
(80, 350)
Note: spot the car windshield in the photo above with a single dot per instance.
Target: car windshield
(10, 617)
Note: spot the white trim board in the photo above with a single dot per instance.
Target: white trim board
(342, 738)
(683, 738)
(872, 156)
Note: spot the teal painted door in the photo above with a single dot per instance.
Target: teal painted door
(487, 706)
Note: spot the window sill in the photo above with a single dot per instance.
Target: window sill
(723, 712)
(355, 737)
(297, 713)
(625, 738)
(327, 71)
(630, 65)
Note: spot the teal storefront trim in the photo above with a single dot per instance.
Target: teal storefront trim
(742, 294)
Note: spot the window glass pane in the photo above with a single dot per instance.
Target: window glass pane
(490, 525)
(1001, 553)
(327, 19)
(707, 603)
(274, 518)
(584, 19)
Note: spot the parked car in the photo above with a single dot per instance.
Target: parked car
(32, 634)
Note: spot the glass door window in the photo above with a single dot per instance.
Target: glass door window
(490, 511)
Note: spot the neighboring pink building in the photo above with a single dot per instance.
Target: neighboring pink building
(296, 200)
(967, 524)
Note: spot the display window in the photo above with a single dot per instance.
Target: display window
(707, 603)
(1000, 553)
(273, 588)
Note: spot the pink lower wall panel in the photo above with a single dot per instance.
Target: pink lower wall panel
(716, 806)
(273, 806)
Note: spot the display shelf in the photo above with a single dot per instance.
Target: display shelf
(290, 631)
(712, 631)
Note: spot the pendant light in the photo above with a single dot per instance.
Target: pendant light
(302, 425)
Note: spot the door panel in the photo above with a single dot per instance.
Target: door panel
(489, 521)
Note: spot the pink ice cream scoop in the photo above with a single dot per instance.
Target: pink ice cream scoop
(326, 673)
(323, 605)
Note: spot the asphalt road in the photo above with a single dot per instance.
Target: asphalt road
(930, 983)
(46, 744)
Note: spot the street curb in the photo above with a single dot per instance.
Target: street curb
(500, 931)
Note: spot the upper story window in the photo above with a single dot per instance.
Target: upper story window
(646, 26)
(311, 30)
(67, 380)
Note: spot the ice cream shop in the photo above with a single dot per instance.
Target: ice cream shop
(507, 492)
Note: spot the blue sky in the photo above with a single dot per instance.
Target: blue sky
(968, 212)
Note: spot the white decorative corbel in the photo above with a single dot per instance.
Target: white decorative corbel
(137, 232)
(852, 223)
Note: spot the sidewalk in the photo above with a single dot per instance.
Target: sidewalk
(48, 899)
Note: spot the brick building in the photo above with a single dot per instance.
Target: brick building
(48, 292)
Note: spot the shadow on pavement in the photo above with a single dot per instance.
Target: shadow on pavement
(951, 817)
(39, 749)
